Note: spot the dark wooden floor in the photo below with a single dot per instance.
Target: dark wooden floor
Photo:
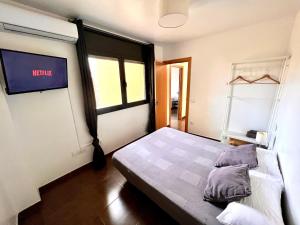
(95, 198)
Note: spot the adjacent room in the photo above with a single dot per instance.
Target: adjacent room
(138, 112)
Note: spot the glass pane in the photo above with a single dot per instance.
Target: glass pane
(135, 79)
(106, 78)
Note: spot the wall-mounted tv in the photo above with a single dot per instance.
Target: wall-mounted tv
(28, 72)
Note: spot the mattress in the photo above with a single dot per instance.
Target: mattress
(171, 167)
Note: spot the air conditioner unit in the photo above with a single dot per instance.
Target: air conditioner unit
(15, 19)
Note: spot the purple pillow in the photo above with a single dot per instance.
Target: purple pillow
(227, 184)
(243, 154)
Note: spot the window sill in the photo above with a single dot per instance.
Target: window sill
(121, 107)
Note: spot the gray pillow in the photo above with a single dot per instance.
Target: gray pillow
(227, 184)
(244, 154)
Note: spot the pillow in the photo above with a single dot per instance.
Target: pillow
(227, 184)
(244, 154)
(266, 198)
(267, 165)
(239, 214)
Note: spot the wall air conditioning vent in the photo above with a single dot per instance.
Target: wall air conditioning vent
(23, 21)
(31, 31)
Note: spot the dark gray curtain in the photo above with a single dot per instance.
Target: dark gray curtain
(89, 96)
(149, 59)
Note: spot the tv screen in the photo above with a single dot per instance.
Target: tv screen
(28, 72)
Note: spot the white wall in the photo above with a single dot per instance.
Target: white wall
(158, 51)
(44, 121)
(211, 67)
(121, 127)
(17, 189)
(42, 133)
(288, 144)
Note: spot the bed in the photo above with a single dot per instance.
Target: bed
(171, 168)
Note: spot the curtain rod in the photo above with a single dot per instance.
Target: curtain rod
(262, 60)
(104, 30)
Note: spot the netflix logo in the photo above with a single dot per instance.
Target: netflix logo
(42, 73)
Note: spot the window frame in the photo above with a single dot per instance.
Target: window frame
(105, 58)
(145, 74)
(121, 48)
(123, 87)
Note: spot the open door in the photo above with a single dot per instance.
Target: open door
(161, 95)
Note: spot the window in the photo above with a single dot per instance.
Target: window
(122, 70)
(135, 80)
(118, 84)
(106, 79)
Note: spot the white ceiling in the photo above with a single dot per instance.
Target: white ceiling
(138, 18)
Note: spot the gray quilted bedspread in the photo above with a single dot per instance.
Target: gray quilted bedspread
(176, 165)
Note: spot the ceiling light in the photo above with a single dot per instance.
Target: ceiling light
(173, 13)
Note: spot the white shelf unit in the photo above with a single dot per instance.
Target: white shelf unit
(240, 136)
(254, 106)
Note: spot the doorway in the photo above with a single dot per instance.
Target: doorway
(178, 98)
(172, 89)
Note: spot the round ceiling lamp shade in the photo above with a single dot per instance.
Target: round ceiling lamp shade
(173, 13)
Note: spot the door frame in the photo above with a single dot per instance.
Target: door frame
(189, 61)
